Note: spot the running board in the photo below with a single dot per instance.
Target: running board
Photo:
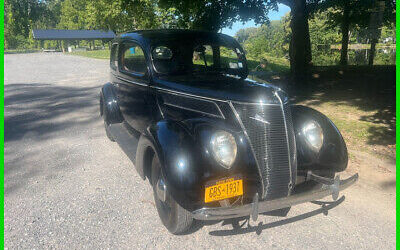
(127, 142)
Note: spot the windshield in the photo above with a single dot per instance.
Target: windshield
(185, 57)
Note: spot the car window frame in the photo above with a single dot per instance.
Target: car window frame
(241, 72)
(114, 56)
(121, 51)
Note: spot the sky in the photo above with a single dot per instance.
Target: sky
(275, 15)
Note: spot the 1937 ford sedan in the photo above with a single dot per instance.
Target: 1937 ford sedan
(213, 144)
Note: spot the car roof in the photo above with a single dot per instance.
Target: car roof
(160, 34)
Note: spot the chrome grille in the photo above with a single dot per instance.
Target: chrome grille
(272, 145)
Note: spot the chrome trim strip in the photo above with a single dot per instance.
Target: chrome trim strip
(198, 111)
(287, 139)
(209, 98)
(257, 103)
(251, 146)
(186, 94)
(130, 81)
(203, 99)
(222, 213)
(260, 120)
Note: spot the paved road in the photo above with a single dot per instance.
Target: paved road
(67, 186)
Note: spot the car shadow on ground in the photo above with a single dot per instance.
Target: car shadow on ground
(42, 110)
(36, 112)
(243, 229)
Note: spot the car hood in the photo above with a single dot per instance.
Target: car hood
(220, 87)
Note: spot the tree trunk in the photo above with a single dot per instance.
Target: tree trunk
(375, 24)
(345, 34)
(300, 47)
(372, 52)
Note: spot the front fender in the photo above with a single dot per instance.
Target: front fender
(176, 149)
(108, 98)
(333, 154)
(188, 164)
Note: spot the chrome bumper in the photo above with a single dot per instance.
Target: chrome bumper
(256, 207)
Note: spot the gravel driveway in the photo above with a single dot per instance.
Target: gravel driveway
(67, 186)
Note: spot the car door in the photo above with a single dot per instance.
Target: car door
(135, 97)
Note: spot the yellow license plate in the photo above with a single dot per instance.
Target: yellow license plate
(224, 189)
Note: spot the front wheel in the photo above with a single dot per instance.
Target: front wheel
(174, 217)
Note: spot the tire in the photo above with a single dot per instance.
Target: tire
(106, 125)
(174, 217)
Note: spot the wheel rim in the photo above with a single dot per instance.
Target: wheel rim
(161, 189)
(161, 193)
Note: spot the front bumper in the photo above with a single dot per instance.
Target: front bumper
(256, 207)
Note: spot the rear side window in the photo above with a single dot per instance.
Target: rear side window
(113, 57)
(230, 58)
(203, 55)
(133, 59)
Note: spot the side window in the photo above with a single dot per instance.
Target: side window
(113, 57)
(230, 58)
(203, 55)
(132, 59)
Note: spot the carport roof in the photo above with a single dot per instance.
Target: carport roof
(73, 35)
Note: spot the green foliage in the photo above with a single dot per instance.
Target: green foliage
(361, 10)
(272, 38)
(21, 16)
(272, 41)
(216, 14)
(322, 36)
(118, 15)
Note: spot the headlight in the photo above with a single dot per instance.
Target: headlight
(314, 136)
(224, 148)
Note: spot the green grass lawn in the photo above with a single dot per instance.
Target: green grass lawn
(360, 101)
(99, 54)
(20, 51)
(273, 64)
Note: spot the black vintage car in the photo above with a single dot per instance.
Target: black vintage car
(213, 144)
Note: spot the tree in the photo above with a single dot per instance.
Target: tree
(322, 37)
(73, 14)
(117, 15)
(243, 34)
(348, 14)
(216, 14)
(300, 45)
(271, 40)
(382, 12)
(21, 16)
(213, 15)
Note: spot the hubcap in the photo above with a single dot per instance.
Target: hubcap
(161, 189)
